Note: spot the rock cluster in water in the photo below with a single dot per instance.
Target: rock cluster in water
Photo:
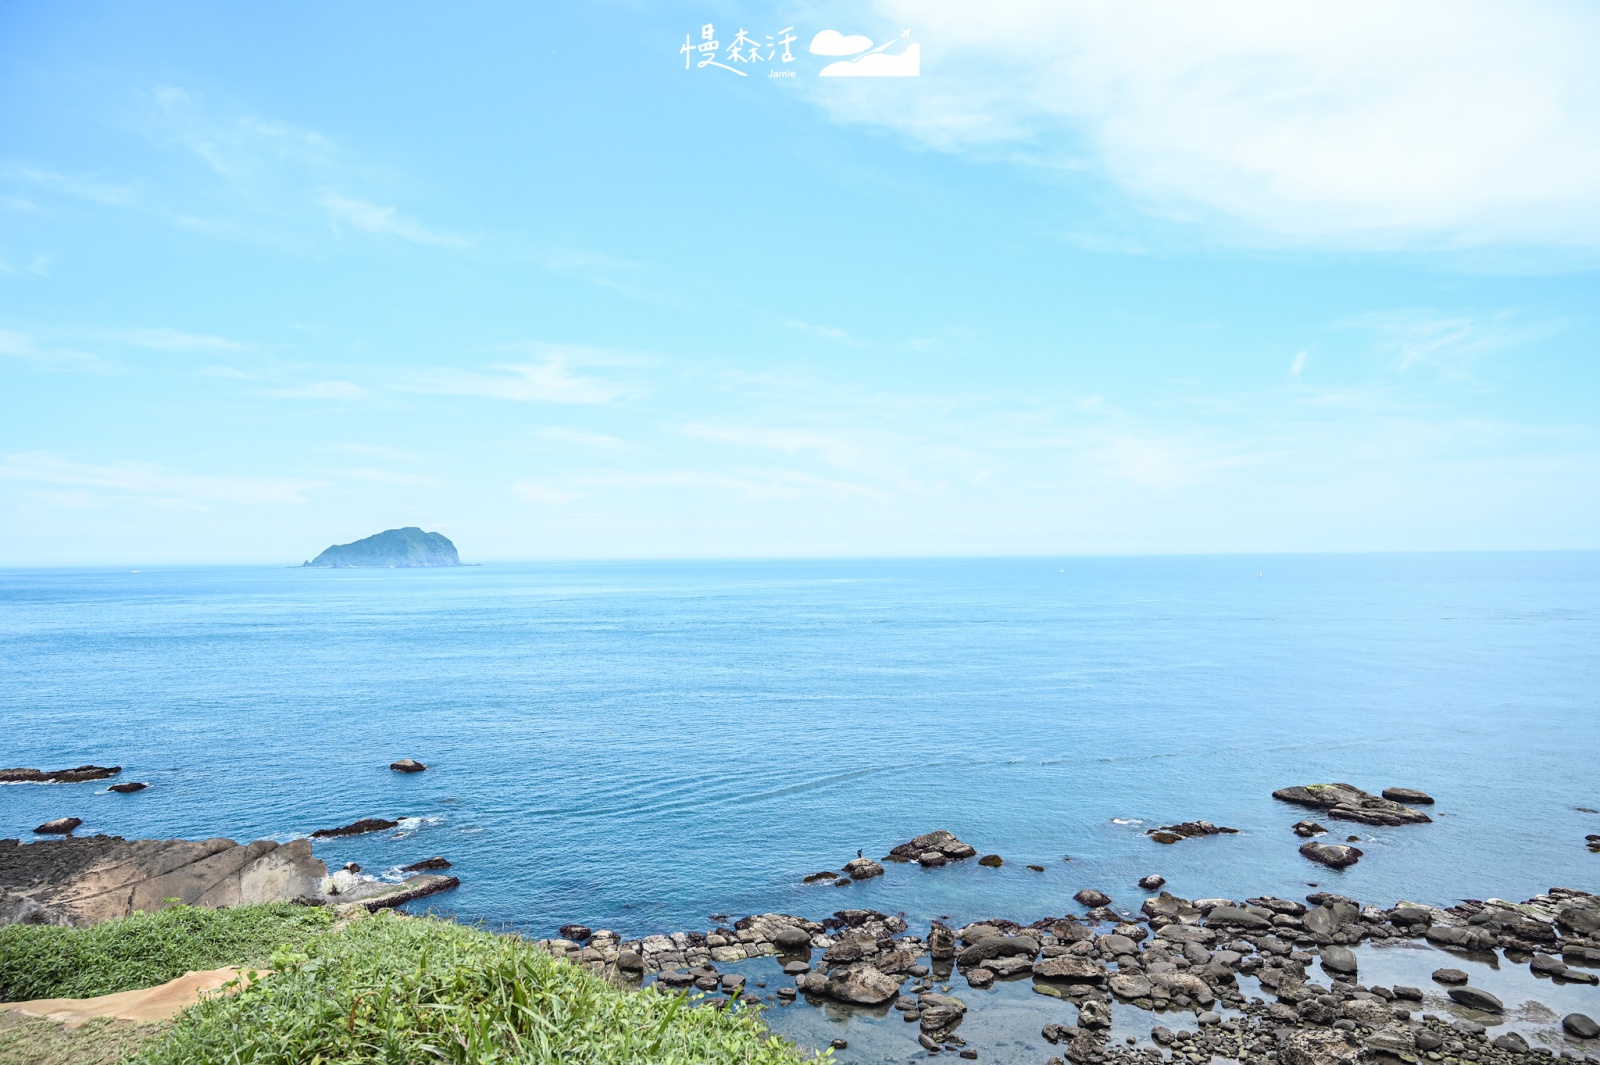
(1346, 802)
(58, 776)
(1173, 954)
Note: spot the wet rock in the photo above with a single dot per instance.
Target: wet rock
(1333, 855)
(1235, 917)
(941, 941)
(1129, 986)
(1307, 829)
(575, 932)
(1152, 882)
(630, 962)
(1179, 983)
(1037, 868)
(840, 1044)
(1346, 802)
(790, 940)
(1169, 908)
(407, 765)
(1580, 1025)
(1449, 976)
(931, 859)
(61, 826)
(862, 984)
(1409, 994)
(1339, 961)
(1091, 897)
(863, 868)
(1580, 917)
(1330, 917)
(75, 775)
(1093, 1014)
(356, 828)
(128, 787)
(1512, 1043)
(826, 874)
(1187, 830)
(795, 968)
(1072, 968)
(940, 841)
(1461, 936)
(1408, 796)
(988, 947)
(981, 977)
(428, 865)
(1313, 1046)
(1476, 998)
(991, 861)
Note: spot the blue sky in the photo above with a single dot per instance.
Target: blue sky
(1134, 277)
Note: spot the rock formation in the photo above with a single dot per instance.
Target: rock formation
(393, 548)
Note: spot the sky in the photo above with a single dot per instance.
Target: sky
(1108, 277)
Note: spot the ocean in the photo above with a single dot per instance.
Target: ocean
(641, 745)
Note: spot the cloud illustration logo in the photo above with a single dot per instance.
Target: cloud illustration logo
(878, 64)
(832, 42)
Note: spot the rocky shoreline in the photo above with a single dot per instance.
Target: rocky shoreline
(1170, 956)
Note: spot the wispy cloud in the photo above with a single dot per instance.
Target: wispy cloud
(384, 221)
(334, 390)
(173, 340)
(152, 482)
(582, 439)
(40, 356)
(75, 186)
(550, 381)
(826, 332)
(1449, 344)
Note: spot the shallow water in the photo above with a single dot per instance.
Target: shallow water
(641, 745)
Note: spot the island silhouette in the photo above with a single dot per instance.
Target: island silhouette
(391, 548)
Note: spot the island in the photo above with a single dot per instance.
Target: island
(394, 547)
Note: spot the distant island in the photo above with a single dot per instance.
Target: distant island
(395, 547)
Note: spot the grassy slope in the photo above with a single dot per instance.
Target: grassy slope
(384, 989)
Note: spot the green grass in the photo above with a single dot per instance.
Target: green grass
(146, 949)
(36, 1041)
(398, 991)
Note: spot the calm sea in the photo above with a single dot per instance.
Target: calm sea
(642, 745)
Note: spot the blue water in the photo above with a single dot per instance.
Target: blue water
(642, 745)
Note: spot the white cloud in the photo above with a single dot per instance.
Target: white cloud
(152, 482)
(1436, 123)
(548, 382)
(174, 340)
(29, 350)
(906, 64)
(75, 186)
(1297, 365)
(832, 42)
(322, 390)
(384, 221)
(580, 438)
(1450, 344)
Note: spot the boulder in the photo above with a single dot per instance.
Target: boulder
(76, 775)
(981, 977)
(1170, 908)
(941, 941)
(1235, 917)
(1091, 897)
(792, 940)
(1152, 882)
(407, 765)
(355, 828)
(128, 787)
(1179, 983)
(1449, 977)
(998, 947)
(576, 932)
(863, 868)
(428, 865)
(1511, 1043)
(1333, 855)
(1580, 1025)
(61, 826)
(862, 984)
(991, 861)
(1187, 830)
(630, 962)
(1346, 802)
(1339, 961)
(1129, 985)
(1072, 968)
(1408, 796)
(940, 841)
(931, 859)
(1475, 998)
(1580, 917)
(1316, 1046)
(1307, 829)
(1329, 917)
(1094, 1014)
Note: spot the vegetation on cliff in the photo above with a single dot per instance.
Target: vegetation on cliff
(393, 548)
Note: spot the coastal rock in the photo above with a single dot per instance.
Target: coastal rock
(1094, 1014)
(998, 947)
(940, 842)
(1169, 908)
(991, 861)
(1408, 796)
(1072, 968)
(375, 895)
(1339, 961)
(1329, 917)
(355, 828)
(407, 765)
(1333, 855)
(1580, 1025)
(75, 775)
(1152, 882)
(128, 787)
(1346, 802)
(1187, 830)
(576, 932)
(1130, 986)
(1476, 998)
(792, 940)
(1315, 1046)
(1580, 917)
(931, 859)
(1450, 977)
(981, 977)
(862, 984)
(941, 941)
(629, 961)
(428, 865)
(61, 826)
(1180, 983)
(863, 868)
(86, 880)
(393, 548)
(1307, 829)
(1091, 897)
(1235, 917)
(826, 874)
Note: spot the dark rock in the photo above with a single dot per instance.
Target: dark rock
(1580, 917)
(1333, 855)
(1235, 917)
(1163, 836)
(795, 968)
(1037, 868)
(1512, 1043)
(826, 874)
(998, 947)
(75, 775)
(1072, 968)
(355, 828)
(575, 932)
(941, 841)
(1152, 882)
(61, 826)
(1449, 976)
(352, 867)
(1580, 1025)
(1307, 829)
(862, 984)
(931, 859)
(863, 868)
(428, 865)
(941, 941)
(630, 962)
(128, 787)
(1477, 999)
(1339, 960)
(1346, 802)
(1091, 897)
(1410, 994)
(1408, 796)
(1169, 908)
(990, 861)
(1094, 1014)
(407, 765)
(840, 1044)
(1428, 1039)
(981, 977)
(1187, 830)
(791, 940)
